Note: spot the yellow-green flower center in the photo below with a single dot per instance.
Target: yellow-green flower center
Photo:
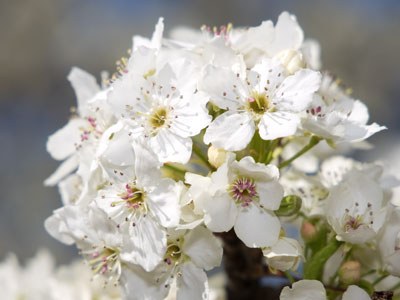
(158, 117)
(258, 102)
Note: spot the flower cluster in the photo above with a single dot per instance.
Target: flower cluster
(222, 130)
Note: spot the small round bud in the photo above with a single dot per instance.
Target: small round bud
(290, 205)
(292, 60)
(350, 272)
(216, 156)
(308, 232)
(285, 255)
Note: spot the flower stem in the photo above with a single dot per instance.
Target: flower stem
(313, 141)
(368, 273)
(290, 277)
(271, 150)
(379, 279)
(395, 287)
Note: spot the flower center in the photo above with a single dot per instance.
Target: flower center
(173, 253)
(133, 197)
(243, 191)
(91, 130)
(362, 219)
(103, 260)
(258, 102)
(158, 117)
(353, 223)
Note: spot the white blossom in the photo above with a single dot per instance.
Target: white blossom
(263, 98)
(244, 196)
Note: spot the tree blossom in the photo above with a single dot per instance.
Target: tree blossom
(163, 108)
(94, 234)
(141, 203)
(216, 131)
(263, 98)
(337, 117)
(78, 139)
(244, 196)
(187, 254)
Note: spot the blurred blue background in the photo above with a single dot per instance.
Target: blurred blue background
(40, 40)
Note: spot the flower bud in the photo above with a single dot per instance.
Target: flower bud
(285, 255)
(216, 156)
(290, 205)
(308, 232)
(292, 60)
(350, 272)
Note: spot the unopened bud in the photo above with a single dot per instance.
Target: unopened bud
(285, 255)
(290, 205)
(350, 272)
(216, 156)
(292, 60)
(308, 232)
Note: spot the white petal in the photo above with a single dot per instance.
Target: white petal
(163, 202)
(219, 84)
(71, 223)
(230, 131)
(192, 284)
(220, 212)
(354, 292)
(288, 34)
(85, 87)
(105, 201)
(359, 113)
(270, 75)
(63, 170)
(146, 243)
(284, 255)
(115, 148)
(147, 166)
(199, 190)
(57, 229)
(192, 117)
(278, 124)
(126, 92)
(140, 285)
(270, 193)
(203, 248)
(249, 168)
(62, 143)
(70, 189)
(257, 227)
(311, 51)
(335, 168)
(304, 290)
(170, 147)
(295, 92)
(357, 188)
(105, 228)
(156, 39)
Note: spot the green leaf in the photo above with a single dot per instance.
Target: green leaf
(313, 268)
